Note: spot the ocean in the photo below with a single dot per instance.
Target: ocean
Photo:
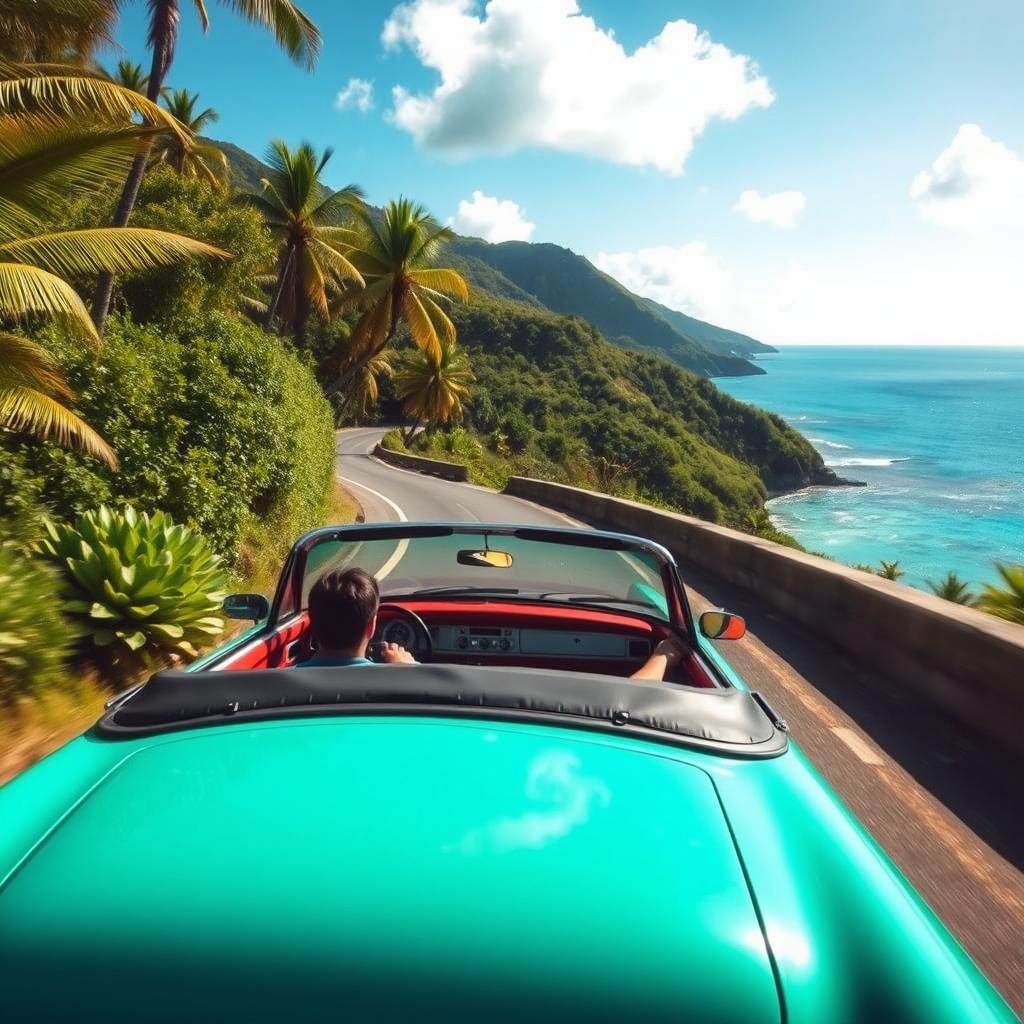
(938, 436)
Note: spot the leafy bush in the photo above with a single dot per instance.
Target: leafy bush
(34, 635)
(215, 423)
(189, 207)
(554, 446)
(140, 588)
(1007, 601)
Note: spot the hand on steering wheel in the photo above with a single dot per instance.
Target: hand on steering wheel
(395, 654)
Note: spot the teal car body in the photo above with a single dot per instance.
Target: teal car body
(469, 863)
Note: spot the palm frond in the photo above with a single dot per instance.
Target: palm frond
(296, 33)
(442, 279)
(43, 159)
(71, 91)
(118, 250)
(338, 265)
(25, 363)
(30, 411)
(25, 289)
(421, 325)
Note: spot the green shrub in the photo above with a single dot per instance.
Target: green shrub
(518, 430)
(34, 636)
(140, 588)
(189, 207)
(554, 446)
(215, 423)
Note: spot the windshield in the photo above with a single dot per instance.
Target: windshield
(498, 565)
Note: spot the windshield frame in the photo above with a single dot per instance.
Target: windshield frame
(287, 599)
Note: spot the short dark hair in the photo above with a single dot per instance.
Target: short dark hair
(342, 605)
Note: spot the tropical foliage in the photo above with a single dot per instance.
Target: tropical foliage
(296, 34)
(396, 253)
(1007, 601)
(55, 30)
(189, 156)
(890, 570)
(34, 636)
(951, 588)
(43, 158)
(304, 217)
(216, 424)
(433, 389)
(140, 588)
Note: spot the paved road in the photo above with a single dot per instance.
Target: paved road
(946, 807)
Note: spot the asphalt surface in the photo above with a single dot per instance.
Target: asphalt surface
(945, 805)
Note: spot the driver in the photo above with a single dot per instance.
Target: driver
(342, 619)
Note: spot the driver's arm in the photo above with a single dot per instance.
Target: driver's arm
(394, 654)
(666, 655)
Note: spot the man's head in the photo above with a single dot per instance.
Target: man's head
(343, 611)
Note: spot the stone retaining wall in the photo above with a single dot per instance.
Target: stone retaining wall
(969, 663)
(433, 467)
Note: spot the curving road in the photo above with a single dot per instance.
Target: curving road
(943, 804)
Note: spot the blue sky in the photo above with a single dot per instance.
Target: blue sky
(879, 144)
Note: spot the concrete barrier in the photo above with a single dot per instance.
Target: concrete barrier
(969, 663)
(432, 467)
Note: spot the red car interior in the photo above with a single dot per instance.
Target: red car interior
(290, 642)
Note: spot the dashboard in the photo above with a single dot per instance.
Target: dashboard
(476, 640)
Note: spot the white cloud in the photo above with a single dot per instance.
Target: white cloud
(358, 94)
(539, 73)
(493, 219)
(933, 295)
(975, 184)
(779, 208)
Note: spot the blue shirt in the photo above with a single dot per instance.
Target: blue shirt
(322, 661)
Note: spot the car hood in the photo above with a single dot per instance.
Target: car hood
(399, 868)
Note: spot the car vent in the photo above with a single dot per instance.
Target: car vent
(639, 648)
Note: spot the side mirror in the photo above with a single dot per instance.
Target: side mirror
(246, 606)
(722, 626)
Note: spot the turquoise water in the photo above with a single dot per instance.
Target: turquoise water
(937, 434)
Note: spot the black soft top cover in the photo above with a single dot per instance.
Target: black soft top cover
(727, 721)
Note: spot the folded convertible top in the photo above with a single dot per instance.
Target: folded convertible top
(728, 721)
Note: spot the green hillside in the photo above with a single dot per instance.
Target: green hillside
(554, 399)
(568, 283)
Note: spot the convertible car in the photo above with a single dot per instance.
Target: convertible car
(511, 830)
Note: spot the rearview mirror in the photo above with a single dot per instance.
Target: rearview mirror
(721, 625)
(246, 606)
(486, 559)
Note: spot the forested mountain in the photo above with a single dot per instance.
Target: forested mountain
(553, 385)
(547, 276)
(568, 283)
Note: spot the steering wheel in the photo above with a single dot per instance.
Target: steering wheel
(405, 628)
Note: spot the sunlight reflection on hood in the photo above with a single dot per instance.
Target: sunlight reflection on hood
(553, 780)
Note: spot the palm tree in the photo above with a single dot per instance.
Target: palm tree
(952, 588)
(131, 76)
(1005, 602)
(303, 216)
(43, 159)
(433, 390)
(396, 253)
(889, 570)
(190, 158)
(296, 34)
(55, 30)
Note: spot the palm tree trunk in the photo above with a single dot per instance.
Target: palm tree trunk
(163, 34)
(407, 435)
(282, 278)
